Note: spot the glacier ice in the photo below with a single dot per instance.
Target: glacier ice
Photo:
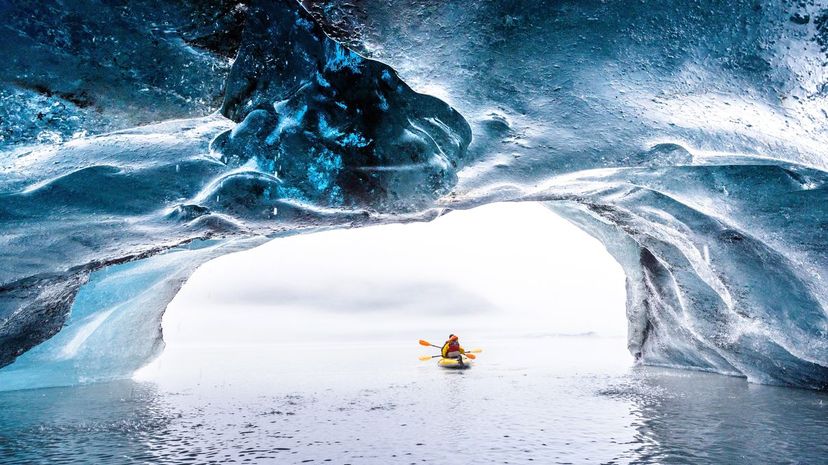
(688, 137)
(367, 138)
(115, 323)
(73, 68)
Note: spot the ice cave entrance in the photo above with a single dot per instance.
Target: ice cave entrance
(500, 271)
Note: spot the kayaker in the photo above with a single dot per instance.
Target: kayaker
(452, 349)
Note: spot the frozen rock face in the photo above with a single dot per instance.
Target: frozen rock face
(688, 137)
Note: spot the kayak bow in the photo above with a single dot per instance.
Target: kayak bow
(453, 363)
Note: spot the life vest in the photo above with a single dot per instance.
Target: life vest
(450, 346)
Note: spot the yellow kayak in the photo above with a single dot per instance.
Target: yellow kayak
(454, 363)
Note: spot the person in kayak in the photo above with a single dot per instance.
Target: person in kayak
(452, 349)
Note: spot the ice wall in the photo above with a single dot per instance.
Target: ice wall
(115, 323)
(688, 136)
(81, 67)
(721, 276)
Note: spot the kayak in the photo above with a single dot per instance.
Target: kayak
(453, 363)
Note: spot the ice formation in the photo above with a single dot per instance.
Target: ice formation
(687, 136)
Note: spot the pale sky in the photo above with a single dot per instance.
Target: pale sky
(498, 270)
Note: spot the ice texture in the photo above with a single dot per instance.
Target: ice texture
(687, 136)
(367, 139)
(115, 323)
(75, 68)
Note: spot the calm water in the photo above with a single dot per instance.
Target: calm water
(568, 400)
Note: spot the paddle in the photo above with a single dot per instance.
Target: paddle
(428, 344)
(468, 353)
(429, 357)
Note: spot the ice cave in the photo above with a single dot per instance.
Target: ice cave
(689, 140)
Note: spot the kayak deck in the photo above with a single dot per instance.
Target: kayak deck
(453, 363)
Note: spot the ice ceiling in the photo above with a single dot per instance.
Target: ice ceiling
(688, 136)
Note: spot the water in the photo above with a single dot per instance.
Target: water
(565, 400)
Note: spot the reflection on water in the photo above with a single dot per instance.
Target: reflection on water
(690, 417)
(564, 400)
(109, 422)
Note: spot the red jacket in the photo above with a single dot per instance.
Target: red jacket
(450, 346)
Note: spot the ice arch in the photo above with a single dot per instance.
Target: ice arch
(496, 271)
(689, 139)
